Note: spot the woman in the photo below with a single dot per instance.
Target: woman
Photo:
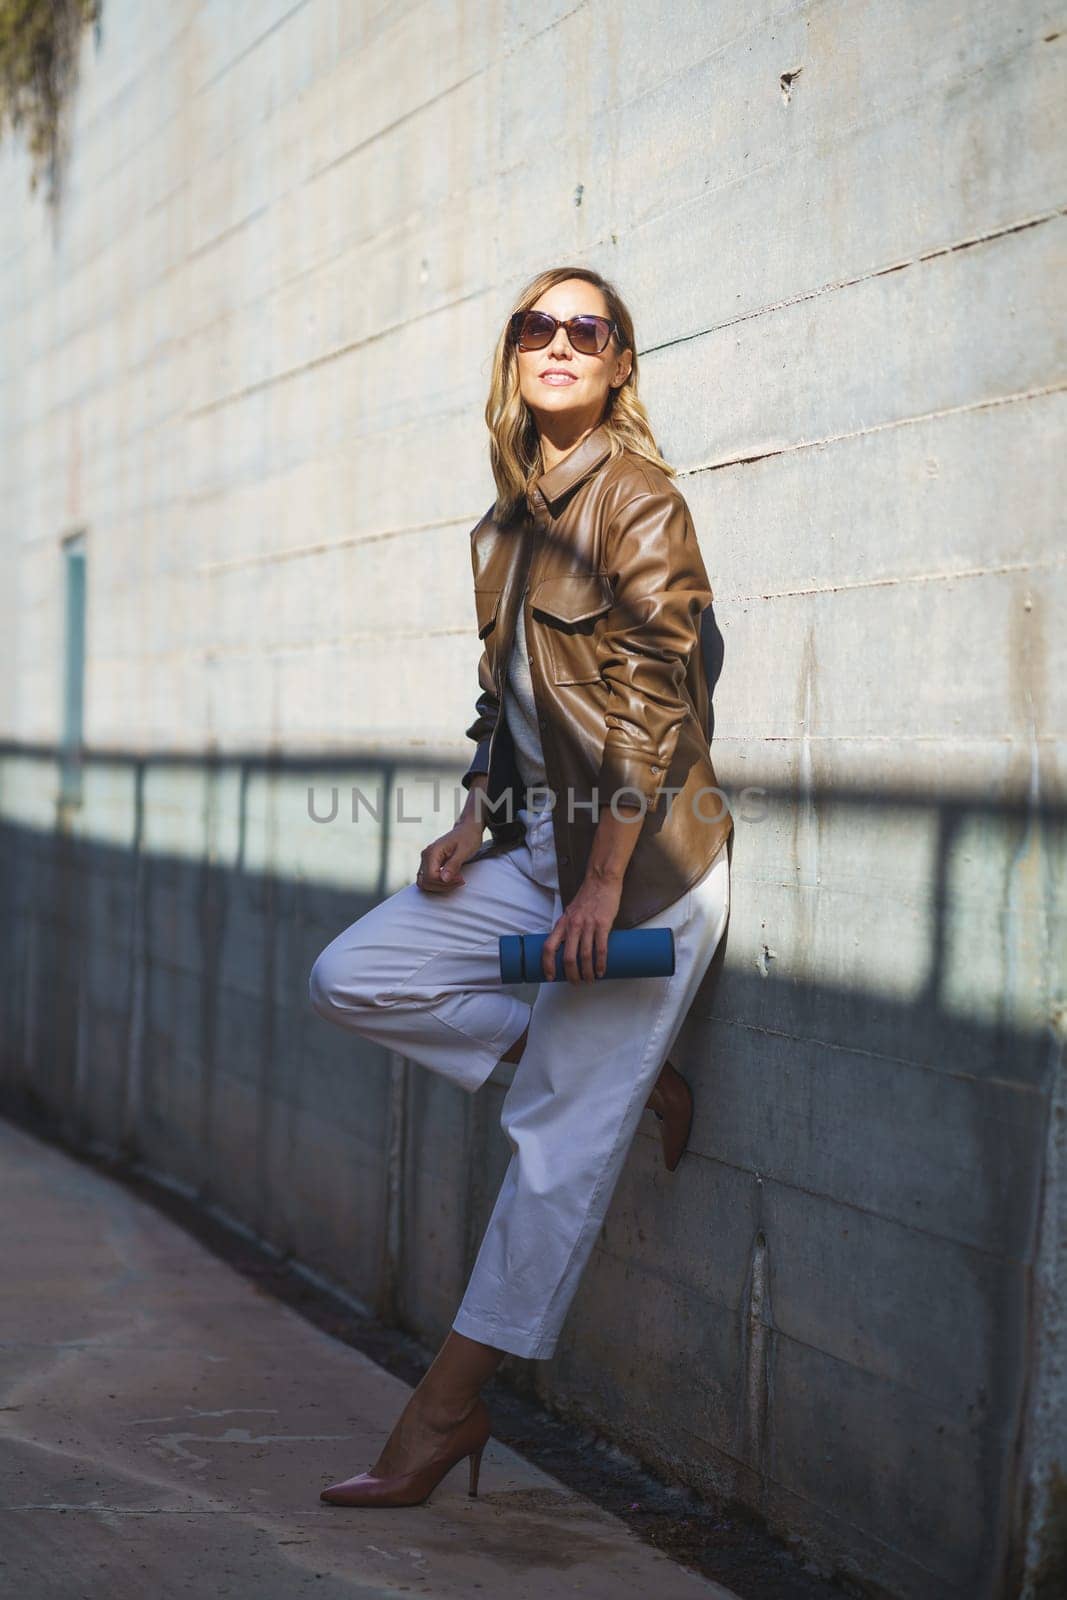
(589, 586)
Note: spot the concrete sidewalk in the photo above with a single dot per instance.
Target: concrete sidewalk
(165, 1430)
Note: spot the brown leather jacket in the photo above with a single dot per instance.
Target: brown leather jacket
(609, 570)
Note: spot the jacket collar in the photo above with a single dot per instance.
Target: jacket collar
(575, 467)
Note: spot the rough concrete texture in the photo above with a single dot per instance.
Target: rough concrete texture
(248, 359)
(166, 1430)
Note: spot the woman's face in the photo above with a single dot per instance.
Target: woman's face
(572, 402)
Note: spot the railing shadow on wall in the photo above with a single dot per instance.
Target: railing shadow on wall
(856, 1225)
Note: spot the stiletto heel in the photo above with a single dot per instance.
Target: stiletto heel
(476, 1461)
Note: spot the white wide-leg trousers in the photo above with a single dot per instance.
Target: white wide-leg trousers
(420, 973)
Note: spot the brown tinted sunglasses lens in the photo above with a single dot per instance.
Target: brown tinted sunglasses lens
(588, 334)
(533, 330)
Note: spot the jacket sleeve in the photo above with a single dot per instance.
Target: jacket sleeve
(661, 588)
(487, 705)
(487, 709)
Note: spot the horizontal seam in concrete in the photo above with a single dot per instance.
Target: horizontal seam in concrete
(250, 48)
(842, 1204)
(300, 552)
(327, 356)
(881, 1059)
(1005, 1432)
(990, 235)
(386, 128)
(900, 579)
(984, 404)
(325, 547)
(415, 111)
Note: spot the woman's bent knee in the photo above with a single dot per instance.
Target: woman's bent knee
(330, 988)
(319, 988)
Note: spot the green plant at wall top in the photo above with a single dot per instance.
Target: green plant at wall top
(39, 41)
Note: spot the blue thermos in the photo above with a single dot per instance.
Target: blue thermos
(632, 953)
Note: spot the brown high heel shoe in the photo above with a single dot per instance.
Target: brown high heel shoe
(468, 1438)
(672, 1102)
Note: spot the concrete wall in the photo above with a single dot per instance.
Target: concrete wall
(248, 357)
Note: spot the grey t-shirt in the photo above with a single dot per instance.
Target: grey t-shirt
(521, 711)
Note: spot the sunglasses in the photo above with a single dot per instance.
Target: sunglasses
(589, 335)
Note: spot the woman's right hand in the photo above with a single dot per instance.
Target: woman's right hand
(443, 860)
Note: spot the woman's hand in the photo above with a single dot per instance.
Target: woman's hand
(590, 917)
(583, 931)
(442, 860)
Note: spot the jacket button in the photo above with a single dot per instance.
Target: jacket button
(564, 860)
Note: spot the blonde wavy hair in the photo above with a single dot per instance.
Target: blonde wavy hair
(514, 442)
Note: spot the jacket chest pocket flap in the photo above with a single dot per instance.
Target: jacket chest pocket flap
(487, 604)
(567, 608)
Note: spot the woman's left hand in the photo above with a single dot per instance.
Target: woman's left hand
(583, 931)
